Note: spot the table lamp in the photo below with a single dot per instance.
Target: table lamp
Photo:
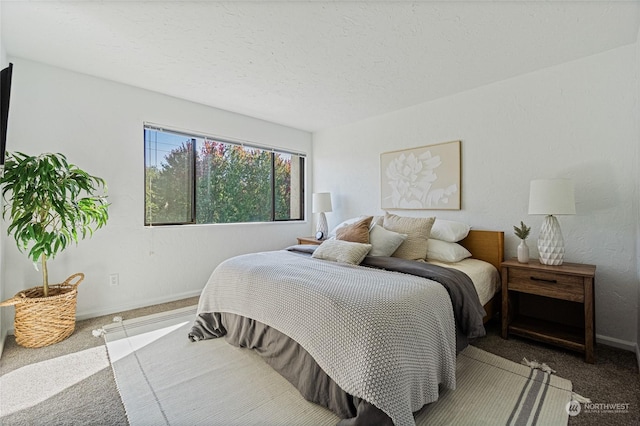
(321, 204)
(551, 197)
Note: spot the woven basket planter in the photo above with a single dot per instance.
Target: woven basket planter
(42, 321)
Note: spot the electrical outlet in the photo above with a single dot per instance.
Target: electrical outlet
(114, 279)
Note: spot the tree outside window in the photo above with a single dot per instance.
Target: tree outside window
(190, 179)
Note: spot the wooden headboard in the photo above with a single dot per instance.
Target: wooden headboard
(486, 245)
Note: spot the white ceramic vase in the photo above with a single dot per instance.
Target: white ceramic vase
(523, 252)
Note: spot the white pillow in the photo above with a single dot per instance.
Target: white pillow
(444, 251)
(377, 220)
(448, 230)
(342, 251)
(384, 242)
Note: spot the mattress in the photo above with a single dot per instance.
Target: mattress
(485, 277)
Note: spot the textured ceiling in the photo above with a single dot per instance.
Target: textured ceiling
(312, 65)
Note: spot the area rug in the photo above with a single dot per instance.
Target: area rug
(164, 379)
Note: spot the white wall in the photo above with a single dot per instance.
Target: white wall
(98, 124)
(637, 197)
(3, 53)
(577, 120)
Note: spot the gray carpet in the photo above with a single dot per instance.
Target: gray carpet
(614, 378)
(95, 400)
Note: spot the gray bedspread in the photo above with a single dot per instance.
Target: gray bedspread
(468, 311)
(385, 337)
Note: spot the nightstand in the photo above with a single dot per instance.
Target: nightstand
(551, 304)
(309, 240)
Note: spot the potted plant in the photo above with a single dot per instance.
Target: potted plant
(50, 205)
(522, 232)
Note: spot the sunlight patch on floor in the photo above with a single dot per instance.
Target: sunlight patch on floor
(124, 346)
(34, 383)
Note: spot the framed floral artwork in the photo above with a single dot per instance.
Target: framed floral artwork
(422, 178)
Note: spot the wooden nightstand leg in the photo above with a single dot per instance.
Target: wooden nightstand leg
(505, 303)
(589, 322)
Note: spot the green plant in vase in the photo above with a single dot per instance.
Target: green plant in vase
(522, 232)
(50, 205)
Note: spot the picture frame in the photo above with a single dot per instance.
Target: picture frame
(422, 178)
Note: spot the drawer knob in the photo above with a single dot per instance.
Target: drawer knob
(544, 280)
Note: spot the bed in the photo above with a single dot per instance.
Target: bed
(373, 342)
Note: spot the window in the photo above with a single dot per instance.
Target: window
(199, 179)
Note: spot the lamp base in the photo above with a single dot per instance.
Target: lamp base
(550, 242)
(322, 224)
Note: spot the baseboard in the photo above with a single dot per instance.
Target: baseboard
(140, 304)
(617, 343)
(638, 354)
(3, 337)
(126, 307)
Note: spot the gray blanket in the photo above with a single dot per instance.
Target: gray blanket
(467, 310)
(385, 337)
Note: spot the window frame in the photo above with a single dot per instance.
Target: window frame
(301, 156)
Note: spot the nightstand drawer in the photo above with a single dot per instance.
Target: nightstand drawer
(559, 286)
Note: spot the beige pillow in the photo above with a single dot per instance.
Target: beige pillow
(357, 232)
(342, 251)
(417, 230)
(349, 221)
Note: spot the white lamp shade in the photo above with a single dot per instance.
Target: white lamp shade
(321, 202)
(552, 196)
